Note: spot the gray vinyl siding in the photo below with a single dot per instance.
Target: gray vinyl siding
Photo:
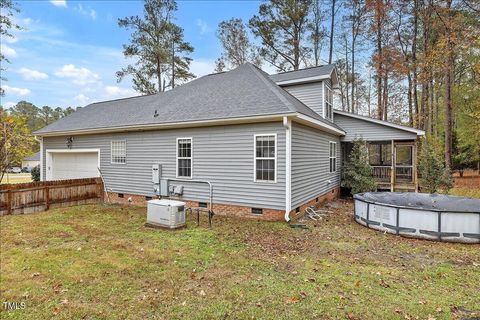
(310, 164)
(311, 94)
(358, 128)
(224, 155)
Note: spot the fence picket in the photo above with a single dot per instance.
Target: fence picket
(40, 196)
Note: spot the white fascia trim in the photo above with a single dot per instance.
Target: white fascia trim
(304, 80)
(287, 123)
(176, 125)
(321, 124)
(323, 99)
(381, 122)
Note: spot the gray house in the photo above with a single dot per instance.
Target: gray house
(268, 145)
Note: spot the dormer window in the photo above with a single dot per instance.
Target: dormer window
(328, 102)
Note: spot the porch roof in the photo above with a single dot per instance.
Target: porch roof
(361, 127)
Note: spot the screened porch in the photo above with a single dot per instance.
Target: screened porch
(394, 163)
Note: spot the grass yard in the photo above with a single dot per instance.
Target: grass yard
(94, 261)
(16, 178)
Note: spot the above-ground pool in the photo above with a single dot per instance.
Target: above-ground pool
(420, 215)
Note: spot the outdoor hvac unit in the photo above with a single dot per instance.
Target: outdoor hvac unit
(166, 213)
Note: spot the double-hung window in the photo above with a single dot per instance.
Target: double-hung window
(333, 156)
(118, 150)
(265, 158)
(184, 157)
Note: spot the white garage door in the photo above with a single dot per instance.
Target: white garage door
(72, 165)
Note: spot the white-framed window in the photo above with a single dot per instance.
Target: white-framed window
(265, 162)
(328, 102)
(118, 150)
(184, 157)
(333, 157)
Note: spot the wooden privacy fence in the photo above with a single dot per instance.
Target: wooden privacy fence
(41, 196)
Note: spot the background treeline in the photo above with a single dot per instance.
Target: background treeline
(37, 117)
(17, 125)
(413, 62)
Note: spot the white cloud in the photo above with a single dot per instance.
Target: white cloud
(114, 92)
(202, 25)
(59, 3)
(80, 76)
(81, 99)
(86, 11)
(9, 104)
(9, 40)
(8, 51)
(16, 91)
(29, 74)
(201, 67)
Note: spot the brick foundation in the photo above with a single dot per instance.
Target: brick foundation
(316, 202)
(234, 210)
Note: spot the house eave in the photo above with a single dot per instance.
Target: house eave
(331, 75)
(171, 125)
(309, 121)
(303, 80)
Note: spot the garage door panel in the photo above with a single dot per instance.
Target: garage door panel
(74, 165)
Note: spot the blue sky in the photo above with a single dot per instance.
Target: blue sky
(70, 50)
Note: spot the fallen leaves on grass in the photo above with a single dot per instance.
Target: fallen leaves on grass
(292, 300)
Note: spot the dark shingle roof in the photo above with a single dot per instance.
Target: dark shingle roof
(243, 92)
(303, 73)
(34, 157)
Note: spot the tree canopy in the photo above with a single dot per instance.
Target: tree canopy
(157, 44)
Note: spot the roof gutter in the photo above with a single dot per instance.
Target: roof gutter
(171, 125)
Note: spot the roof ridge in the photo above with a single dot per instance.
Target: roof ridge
(270, 84)
(275, 88)
(126, 98)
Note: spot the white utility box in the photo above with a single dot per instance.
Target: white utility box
(166, 213)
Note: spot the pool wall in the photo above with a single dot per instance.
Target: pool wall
(418, 222)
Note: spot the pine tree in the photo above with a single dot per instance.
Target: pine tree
(357, 171)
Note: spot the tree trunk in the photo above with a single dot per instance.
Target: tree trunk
(410, 103)
(296, 49)
(332, 25)
(369, 102)
(385, 96)
(379, 66)
(159, 75)
(347, 77)
(414, 62)
(353, 74)
(448, 90)
(173, 64)
(435, 114)
(430, 105)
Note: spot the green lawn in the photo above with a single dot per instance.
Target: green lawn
(94, 261)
